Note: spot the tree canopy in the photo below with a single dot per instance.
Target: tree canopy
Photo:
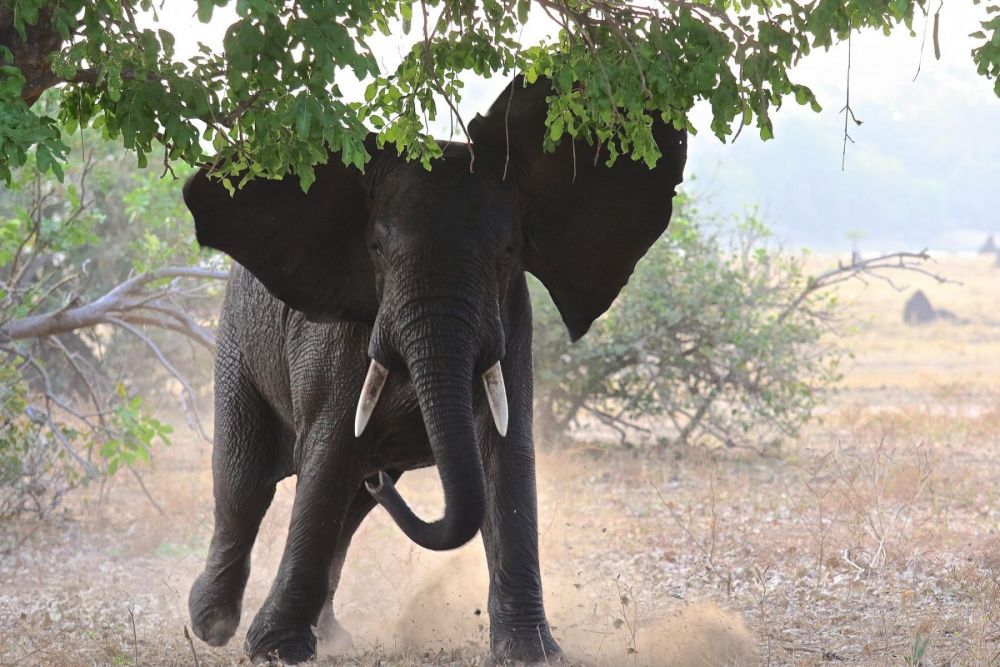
(271, 100)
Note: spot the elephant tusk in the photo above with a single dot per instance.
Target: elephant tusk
(374, 381)
(496, 396)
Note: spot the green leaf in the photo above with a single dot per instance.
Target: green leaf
(523, 7)
(167, 40)
(205, 9)
(556, 128)
(303, 117)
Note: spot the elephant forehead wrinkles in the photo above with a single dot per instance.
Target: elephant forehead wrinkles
(447, 196)
(446, 214)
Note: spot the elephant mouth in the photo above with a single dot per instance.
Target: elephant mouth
(371, 390)
(442, 380)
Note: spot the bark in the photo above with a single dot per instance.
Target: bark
(31, 55)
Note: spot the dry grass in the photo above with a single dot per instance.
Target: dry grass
(894, 362)
(871, 541)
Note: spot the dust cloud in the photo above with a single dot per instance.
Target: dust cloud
(446, 614)
(437, 603)
(115, 573)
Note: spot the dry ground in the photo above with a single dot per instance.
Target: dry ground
(871, 541)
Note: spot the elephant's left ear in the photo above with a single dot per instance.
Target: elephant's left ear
(586, 224)
(308, 249)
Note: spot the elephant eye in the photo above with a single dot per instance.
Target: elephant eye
(377, 249)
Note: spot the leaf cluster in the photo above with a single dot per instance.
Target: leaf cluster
(270, 101)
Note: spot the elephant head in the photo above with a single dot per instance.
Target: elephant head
(425, 258)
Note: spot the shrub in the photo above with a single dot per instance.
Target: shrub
(718, 337)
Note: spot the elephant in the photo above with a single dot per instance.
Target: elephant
(405, 287)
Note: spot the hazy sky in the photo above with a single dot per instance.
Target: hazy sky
(925, 168)
(924, 171)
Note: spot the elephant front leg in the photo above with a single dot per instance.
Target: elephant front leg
(246, 465)
(329, 630)
(519, 631)
(283, 627)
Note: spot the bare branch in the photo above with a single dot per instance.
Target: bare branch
(52, 289)
(175, 320)
(103, 310)
(859, 270)
(84, 463)
(49, 394)
(194, 654)
(847, 110)
(71, 358)
(192, 402)
(149, 497)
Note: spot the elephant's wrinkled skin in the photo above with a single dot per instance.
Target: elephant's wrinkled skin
(422, 272)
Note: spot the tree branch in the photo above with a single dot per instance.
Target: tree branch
(105, 309)
(192, 402)
(896, 261)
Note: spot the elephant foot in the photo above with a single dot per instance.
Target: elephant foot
(525, 647)
(215, 610)
(272, 640)
(332, 636)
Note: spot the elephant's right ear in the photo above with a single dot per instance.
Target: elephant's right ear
(308, 249)
(586, 224)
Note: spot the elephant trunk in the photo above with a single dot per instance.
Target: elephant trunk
(439, 353)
